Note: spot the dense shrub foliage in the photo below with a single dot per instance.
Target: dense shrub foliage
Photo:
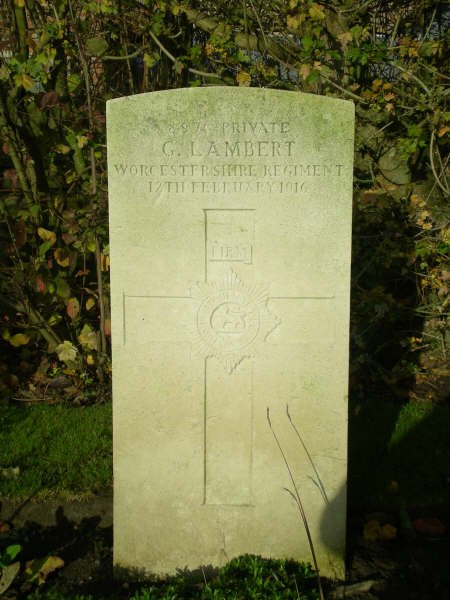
(60, 61)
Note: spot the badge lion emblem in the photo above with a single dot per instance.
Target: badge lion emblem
(232, 319)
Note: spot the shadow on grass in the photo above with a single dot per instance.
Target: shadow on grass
(399, 451)
(86, 549)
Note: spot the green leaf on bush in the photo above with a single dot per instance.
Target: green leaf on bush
(88, 338)
(12, 551)
(19, 339)
(62, 288)
(43, 248)
(46, 235)
(66, 352)
(73, 308)
(62, 257)
(73, 81)
(394, 167)
(151, 60)
(96, 46)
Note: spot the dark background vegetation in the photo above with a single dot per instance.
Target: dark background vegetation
(61, 60)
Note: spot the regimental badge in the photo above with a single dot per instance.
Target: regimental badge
(232, 319)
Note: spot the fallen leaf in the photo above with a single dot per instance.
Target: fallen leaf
(40, 568)
(394, 486)
(429, 526)
(90, 303)
(388, 532)
(372, 530)
(8, 574)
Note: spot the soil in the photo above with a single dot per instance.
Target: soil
(411, 566)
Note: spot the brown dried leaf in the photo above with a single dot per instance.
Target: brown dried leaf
(62, 257)
(388, 532)
(73, 308)
(46, 235)
(244, 79)
(431, 526)
(49, 99)
(372, 530)
(443, 130)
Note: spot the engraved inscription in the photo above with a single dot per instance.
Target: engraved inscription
(229, 235)
(223, 158)
(228, 320)
(232, 319)
(235, 253)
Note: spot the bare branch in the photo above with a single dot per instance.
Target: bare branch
(444, 188)
(175, 60)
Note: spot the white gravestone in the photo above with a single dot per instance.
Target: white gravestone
(230, 231)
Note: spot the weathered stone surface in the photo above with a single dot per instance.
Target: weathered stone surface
(230, 225)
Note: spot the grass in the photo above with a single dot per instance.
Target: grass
(404, 444)
(54, 450)
(65, 451)
(243, 578)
